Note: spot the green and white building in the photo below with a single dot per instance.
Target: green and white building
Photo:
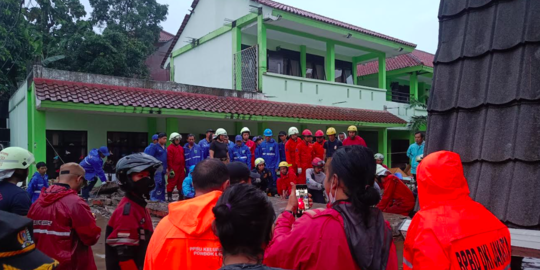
(234, 63)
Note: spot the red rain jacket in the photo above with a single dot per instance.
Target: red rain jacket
(284, 181)
(64, 228)
(252, 146)
(451, 231)
(290, 152)
(314, 242)
(397, 197)
(356, 141)
(176, 161)
(304, 154)
(318, 149)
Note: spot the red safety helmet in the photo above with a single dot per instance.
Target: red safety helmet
(319, 133)
(307, 132)
(317, 162)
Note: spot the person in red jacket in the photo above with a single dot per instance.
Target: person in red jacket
(176, 165)
(349, 234)
(304, 156)
(290, 148)
(64, 227)
(451, 231)
(397, 198)
(245, 132)
(354, 139)
(286, 176)
(130, 226)
(318, 146)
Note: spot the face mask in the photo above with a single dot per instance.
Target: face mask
(332, 198)
(144, 186)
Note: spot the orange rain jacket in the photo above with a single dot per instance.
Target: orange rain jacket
(451, 231)
(184, 239)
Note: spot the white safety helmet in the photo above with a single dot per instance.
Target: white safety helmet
(293, 130)
(221, 131)
(245, 129)
(12, 158)
(379, 156)
(174, 136)
(380, 171)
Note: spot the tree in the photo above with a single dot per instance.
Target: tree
(17, 44)
(417, 121)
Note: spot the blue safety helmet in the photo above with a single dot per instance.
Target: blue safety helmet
(268, 132)
(238, 138)
(104, 151)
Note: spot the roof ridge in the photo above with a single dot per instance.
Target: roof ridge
(415, 58)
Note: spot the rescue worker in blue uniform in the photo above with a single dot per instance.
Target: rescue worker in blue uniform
(240, 152)
(93, 166)
(130, 226)
(205, 143)
(269, 151)
(192, 152)
(154, 141)
(282, 141)
(39, 180)
(159, 151)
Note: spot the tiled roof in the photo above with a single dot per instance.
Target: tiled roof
(415, 58)
(324, 19)
(485, 102)
(296, 11)
(65, 91)
(165, 36)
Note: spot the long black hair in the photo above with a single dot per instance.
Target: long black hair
(243, 224)
(355, 166)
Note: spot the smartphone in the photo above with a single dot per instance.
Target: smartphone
(303, 199)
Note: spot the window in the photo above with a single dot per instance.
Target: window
(121, 144)
(64, 147)
(400, 93)
(344, 72)
(284, 62)
(315, 67)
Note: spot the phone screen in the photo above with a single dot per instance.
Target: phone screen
(303, 199)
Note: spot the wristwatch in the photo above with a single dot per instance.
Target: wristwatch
(288, 211)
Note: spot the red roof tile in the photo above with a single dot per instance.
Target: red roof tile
(416, 58)
(165, 36)
(324, 19)
(66, 91)
(296, 11)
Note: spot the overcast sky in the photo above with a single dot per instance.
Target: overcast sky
(413, 21)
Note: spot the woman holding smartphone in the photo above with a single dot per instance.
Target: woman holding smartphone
(349, 234)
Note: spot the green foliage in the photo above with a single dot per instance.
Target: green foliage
(57, 34)
(417, 122)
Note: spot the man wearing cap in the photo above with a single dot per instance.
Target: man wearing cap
(159, 151)
(14, 163)
(154, 141)
(64, 227)
(269, 151)
(282, 141)
(93, 165)
(205, 143)
(18, 250)
(240, 152)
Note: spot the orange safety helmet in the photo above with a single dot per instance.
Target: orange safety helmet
(307, 132)
(319, 133)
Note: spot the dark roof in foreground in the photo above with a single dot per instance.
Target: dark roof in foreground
(413, 59)
(485, 102)
(78, 92)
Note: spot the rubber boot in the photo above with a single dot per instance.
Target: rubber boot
(169, 197)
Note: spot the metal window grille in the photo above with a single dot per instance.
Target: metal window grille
(246, 78)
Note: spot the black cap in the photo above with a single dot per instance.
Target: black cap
(161, 135)
(18, 249)
(282, 133)
(209, 130)
(238, 172)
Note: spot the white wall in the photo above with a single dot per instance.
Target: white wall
(209, 64)
(210, 15)
(18, 117)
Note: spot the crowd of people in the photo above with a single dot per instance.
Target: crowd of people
(224, 219)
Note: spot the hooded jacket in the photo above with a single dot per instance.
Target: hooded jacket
(37, 183)
(240, 153)
(397, 197)
(64, 227)
(93, 166)
(184, 239)
(269, 151)
(451, 231)
(333, 238)
(187, 185)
